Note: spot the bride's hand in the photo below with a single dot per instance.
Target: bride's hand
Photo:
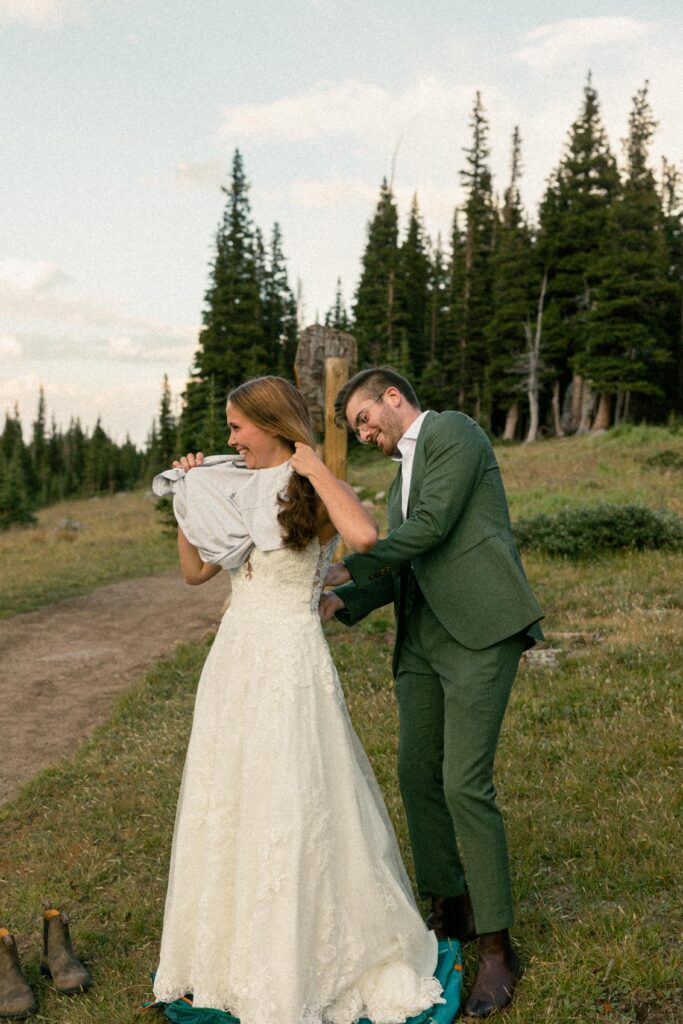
(329, 604)
(337, 574)
(187, 462)
(304, 460)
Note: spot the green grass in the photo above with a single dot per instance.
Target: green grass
(122, 537)
(588, 776)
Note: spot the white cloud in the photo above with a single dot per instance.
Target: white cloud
(30, 276)
(151, 348)
(318, 195)
(45, 13)
(350, 108)
(564, 42)
(10, 347)
(33, 292)
(202, 174)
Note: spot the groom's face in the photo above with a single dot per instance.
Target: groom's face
(375, 419)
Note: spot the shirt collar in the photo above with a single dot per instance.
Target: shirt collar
(410, 437)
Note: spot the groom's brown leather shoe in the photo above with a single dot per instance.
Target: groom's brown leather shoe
(499, 971)
(452, 918)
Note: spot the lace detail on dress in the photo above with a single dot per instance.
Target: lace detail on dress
(325, 557)
(287, 900)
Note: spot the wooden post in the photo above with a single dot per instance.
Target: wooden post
(336, 438)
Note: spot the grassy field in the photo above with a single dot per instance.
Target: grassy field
(588, 775)
(121, 537)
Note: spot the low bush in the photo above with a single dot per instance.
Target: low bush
(584, 530)
(667, 458)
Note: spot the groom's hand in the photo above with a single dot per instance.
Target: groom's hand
(337, 574)
(329, 604)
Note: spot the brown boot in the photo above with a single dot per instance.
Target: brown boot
(68, 973)
(497, 974)
(16, 998)
(452, 918)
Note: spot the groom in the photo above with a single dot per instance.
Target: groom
(465, 613)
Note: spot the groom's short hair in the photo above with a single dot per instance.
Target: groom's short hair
(373, 381)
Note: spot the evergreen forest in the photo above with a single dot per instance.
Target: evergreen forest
(564, 322)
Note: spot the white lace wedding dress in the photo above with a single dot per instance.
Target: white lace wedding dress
(287, 902)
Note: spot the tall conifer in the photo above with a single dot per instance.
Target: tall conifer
(628, 336)
(480, 227)
(232, 345)
(279, 310)
(375, 310)
(573, 221)
(672, 204)
(412, 297)
(514, 292)
(337, 315)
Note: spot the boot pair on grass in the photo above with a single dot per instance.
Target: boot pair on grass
(58, 960)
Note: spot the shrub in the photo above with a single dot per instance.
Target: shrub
(667, 458)
(584, 530)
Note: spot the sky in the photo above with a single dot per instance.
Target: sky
(119, 119)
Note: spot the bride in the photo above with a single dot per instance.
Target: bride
(287, 899)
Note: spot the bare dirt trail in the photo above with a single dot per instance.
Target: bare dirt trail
(62, 666)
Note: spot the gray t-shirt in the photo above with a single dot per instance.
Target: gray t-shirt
(225, 509)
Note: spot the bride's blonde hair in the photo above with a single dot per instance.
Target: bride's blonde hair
(274, 404)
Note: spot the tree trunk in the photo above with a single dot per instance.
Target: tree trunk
(627, 405)
(577, 401)
(511, 420)
(557, 410)
(533, 344)
(619, 408)
(587, 406)
(603, 417)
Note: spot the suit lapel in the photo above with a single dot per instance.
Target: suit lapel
(394, 514)
(418, 462)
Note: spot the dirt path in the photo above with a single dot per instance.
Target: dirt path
(62, 667)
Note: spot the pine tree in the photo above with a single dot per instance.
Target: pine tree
(337, 315)
(75, 444)
(167, 437)
(279, 311)
(56, 464)
(435, 385)
(413, 273)
(476, 301)
(37, 470)
(672, 204)
(375, 309)
(15, 501)
(99, 468)
(12, 435)
(514, 292)
(628, 337)
(129, 466)
(232, 345)
(573, 222)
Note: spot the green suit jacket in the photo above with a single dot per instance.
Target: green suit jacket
(457, 538)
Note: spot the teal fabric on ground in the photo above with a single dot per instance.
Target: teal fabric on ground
(448, 971)
(181, 1012)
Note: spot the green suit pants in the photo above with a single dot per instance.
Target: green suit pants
(451, 703)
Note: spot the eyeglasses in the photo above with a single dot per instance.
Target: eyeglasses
(362, 417)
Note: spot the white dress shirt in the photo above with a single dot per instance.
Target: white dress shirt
(406, 446)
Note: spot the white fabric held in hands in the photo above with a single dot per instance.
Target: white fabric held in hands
(226, 509)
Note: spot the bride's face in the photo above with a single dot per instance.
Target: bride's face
(258, 447)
